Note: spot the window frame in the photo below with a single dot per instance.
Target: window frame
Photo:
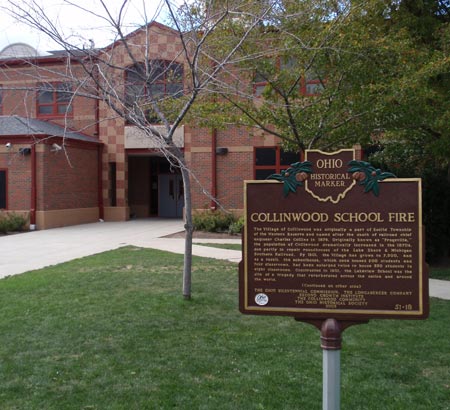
(278, 166)
(305, 81)
(313, 81)
(258, 83)
(160, 79)
(56, 101)
(5, 171)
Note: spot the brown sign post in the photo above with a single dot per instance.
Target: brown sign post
(333, 241)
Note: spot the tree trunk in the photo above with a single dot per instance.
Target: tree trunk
(189, 229)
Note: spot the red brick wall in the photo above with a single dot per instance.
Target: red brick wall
(19, 90)
(200, 164)
(18, 180)
(67, 179)
(232, 168)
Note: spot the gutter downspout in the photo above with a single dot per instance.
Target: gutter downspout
(33, 188)
(213, 205)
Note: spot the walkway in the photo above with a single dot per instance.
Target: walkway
(34, 250)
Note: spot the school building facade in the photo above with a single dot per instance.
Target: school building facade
(67, 159)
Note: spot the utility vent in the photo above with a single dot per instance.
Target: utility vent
(25, 151)
(221, 151)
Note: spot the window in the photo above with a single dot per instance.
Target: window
(3, 188)
(312, 85)
(161, 79)
(272, 160)
(259, 84)
(54, 100)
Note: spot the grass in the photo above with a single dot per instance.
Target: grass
(232, 246)
(442, 273)
(112, 332)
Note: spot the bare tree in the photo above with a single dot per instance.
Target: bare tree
(125, 75)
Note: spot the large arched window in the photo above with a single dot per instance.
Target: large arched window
(157, 80)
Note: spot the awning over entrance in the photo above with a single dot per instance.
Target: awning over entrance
(137, 139)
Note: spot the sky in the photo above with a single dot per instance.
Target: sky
(78, 25)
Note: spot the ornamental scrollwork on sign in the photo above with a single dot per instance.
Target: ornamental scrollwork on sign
(368, 176)
(293, 177)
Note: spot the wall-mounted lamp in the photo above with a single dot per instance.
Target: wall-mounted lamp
(221, 151)
(56, 147)
(8, 145)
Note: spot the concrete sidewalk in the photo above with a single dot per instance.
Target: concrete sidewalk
(34, 250)
(440, 289)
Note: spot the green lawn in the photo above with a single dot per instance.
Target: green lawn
(232, 246)
(442, 273)
(112, 331)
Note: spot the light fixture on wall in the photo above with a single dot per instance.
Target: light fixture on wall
(56, 147)
(8, 145)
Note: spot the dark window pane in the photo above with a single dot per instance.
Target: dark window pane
(289, 157)
(134, 92)
(156, 90)
(175, 90)
(45, 97)
(45, 109)
(259, 78)
(162, 78)
(175, 73)
(53, 99)
(264, 173)
(2, 189)
(64, 87)
(63, 97)
(157, 70)
(135, 74)
(314, 89)
(63, 109)
(288, 63)
(258, 89)
(265, 156)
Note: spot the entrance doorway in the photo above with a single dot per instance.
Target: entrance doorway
(154, 187)
(171, 196)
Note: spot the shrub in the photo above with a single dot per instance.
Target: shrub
(236, 226)
(10, 222)
(213, 221)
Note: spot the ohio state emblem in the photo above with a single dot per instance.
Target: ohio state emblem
(330, 179)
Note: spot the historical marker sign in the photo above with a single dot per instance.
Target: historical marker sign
(333, 237)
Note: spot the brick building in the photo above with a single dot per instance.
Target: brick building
(67, 159)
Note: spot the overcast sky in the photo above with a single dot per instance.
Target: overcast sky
(77, 23)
